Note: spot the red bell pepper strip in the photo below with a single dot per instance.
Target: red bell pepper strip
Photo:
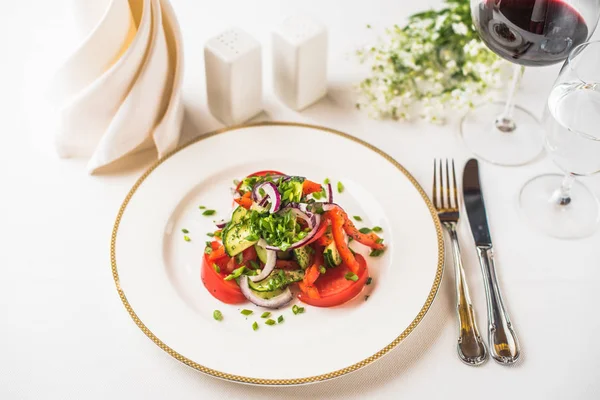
(309, 187)
(337, 229)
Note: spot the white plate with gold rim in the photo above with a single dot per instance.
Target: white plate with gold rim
(157, 273)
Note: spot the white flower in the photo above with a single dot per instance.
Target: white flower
(460, 28)
(451, 64)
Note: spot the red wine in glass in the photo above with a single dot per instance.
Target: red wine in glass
(530, 32)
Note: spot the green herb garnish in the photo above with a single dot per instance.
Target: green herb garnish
(185, 230)
(217, 268)
(239, 258)
(377, 229)
(297, 310)
(358, 218)
(322, 269)
(208, 249)
(210, 234)
(255, 326)
(254, 264)
(266, 314)
(340, 187)
(364, 230)
(280, 319)
(186, 238)
(326, 181)
(379, 241)
(209, 212)
(246, 312)
(270, 322)
(376, 253)
(201, 207)
(351, 276)
(217, 315)
(218, 233)
(236, 273)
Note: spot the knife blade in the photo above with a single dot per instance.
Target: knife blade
(503, 343)
(474, 204)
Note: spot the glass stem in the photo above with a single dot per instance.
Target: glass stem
(563, 195)
(505, 122)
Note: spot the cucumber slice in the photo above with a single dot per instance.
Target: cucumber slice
(332, 255)
(238, 214)
(284, 255)
(303, 256)
(234, 239)
(280, 279)
(261, 252)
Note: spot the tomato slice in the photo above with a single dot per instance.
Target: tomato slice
(333, 287)
(226, 291)
(309, 187)
(287, 264)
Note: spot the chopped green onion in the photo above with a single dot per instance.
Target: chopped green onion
(186, 238)
(236, 273)
(340, 187)
(201, 207)
(270, 322)
(280, 319)
(239, 258)
(209, 212)
(208, 248)
(262, 192)
(317, 195)
(377, 229)
(322, 269)
(217, 268)
(376, 253)
(379, 241)
(210, 234)
(297, 310)
(326, 181)
(185, 230)
(246, 312)
(351, 276)
(254, 264)
(217, 315)
(218, 233)
(253, 237)
(364, 230)
(266, 314)
(358, 218)
(255, 326)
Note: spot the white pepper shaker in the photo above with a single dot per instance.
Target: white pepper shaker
(233, 69)
(300, 61)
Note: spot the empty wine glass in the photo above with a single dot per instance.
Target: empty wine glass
(558, 204)
(526, 33)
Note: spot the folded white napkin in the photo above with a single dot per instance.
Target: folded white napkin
(120, 91)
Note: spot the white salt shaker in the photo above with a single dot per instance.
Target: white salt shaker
(233, 76)
(300, 61)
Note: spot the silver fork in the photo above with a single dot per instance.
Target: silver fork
(471, 349)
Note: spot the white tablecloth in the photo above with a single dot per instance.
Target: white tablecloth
(64, 333)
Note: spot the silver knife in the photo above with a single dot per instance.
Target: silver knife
(503, 343)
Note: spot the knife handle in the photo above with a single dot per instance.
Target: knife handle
(503, 343)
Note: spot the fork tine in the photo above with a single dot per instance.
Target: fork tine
(435, 195)
(455, 186)
(448, 187)
(442, 187)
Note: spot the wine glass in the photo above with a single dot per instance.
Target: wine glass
(559, 205)
(526, 33)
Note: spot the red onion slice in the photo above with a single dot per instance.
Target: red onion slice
(274, 302)
(271, 193)
(269, 265)
(221, 224)
(329, 193)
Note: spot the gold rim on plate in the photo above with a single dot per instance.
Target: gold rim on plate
(294, 381)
